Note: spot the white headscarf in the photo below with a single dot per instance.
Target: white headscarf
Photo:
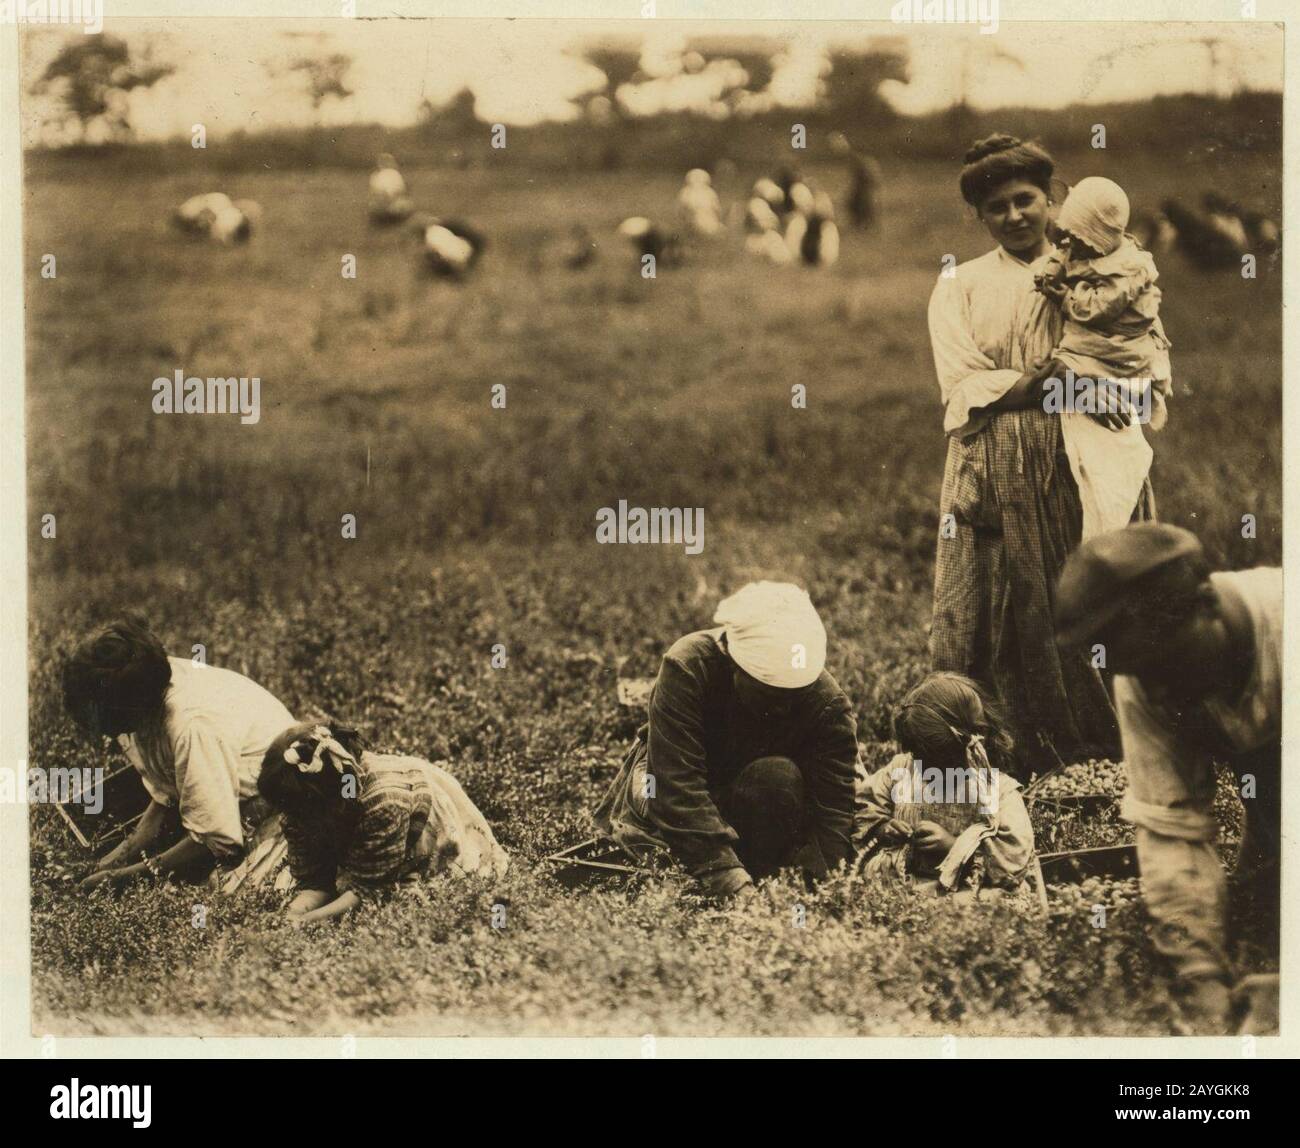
(774, 634)
(1096, 210)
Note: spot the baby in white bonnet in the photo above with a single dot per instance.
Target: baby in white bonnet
(1113, 341)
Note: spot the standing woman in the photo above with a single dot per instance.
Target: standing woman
(1009, 510)
(196, 734)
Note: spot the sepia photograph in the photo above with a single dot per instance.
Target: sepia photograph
(651, 528)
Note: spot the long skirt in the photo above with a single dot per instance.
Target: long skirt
(1009, 515)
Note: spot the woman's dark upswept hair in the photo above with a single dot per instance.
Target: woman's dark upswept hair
(994, 160)
(119, 675)
(936, 717)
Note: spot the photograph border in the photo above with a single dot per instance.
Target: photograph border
(16, 1036)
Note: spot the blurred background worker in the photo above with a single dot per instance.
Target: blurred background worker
(699, 206)
(214, 215)
(1198, 659)
(449, 248)
(811, 234)
(196, 214)
(763, 222)
(235, 223)
(860, 204)
(389, 201)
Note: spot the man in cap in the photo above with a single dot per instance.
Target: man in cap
(746, 764)
(1198, 659)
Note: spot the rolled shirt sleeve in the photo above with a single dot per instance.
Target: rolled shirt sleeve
(207, 784)
(156, 794)
(874, 798)
(1009, 851)
(682, 810)
(158, 786)
(968, 379)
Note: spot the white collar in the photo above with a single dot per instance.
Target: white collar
(1007, 257)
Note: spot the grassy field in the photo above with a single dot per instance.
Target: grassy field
(476, 526)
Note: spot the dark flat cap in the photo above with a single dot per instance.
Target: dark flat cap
(1097, 577)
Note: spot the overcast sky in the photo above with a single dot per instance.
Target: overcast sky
(232, 74)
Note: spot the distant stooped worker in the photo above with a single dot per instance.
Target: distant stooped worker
(214, 215)
(864, 181)
(746, 764)
(195, 215)
(763, 223)
(449, 248)
(698, 205)
(1198, 659)
(389, 201)
(811, 235)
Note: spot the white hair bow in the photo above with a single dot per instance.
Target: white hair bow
(296, 754)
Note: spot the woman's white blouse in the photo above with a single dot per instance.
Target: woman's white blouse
(987, 327)
(218, 725)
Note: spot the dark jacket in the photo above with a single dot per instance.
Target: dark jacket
(700, 736)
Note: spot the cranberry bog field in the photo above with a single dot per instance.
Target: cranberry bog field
(475, 527)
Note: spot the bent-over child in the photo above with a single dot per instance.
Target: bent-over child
(358, 822)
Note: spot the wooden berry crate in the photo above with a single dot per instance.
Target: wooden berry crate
(125, 800)
(1090, 803)
(1076, 865)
